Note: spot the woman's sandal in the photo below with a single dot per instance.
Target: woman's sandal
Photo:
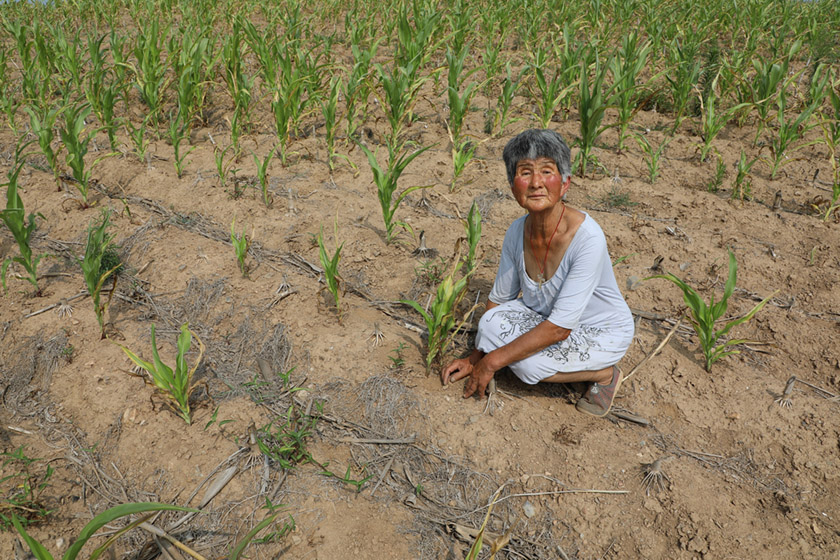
(598, 399)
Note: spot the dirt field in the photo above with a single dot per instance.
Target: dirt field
(741, 475)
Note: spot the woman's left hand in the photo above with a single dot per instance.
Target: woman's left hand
(480, 376)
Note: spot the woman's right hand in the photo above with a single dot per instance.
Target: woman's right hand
(457, 369)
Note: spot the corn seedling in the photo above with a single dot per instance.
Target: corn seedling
(22, 228)
(76, 138)
(43, 125)
(472, 226)
(551, 92)
(239, 85)
(21, 489)
(704, 316)
(505, 101)
(625, 68)
(790, 131)
(150, 76)
(357, 87)
(105, 518)
(332, 279)
(329, 108)
(592, 106)
(717, 179)
(178, 132)
(98, 243)
(478, 544)
(742, 189)
(440, 318)
(683, 76)
(223, 167)
(459, 105)
(769, 76)
(386, 185)
(241, 244)
(262, 175)
(175, 386)
(652, 156)
(400, 94)
(463, 152)
(713, 120)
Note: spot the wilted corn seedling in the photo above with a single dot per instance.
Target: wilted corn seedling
(223, 167)
(357, 88)
(175, 386)
(241, 243)
(769, 76)
(97, 268)
(704, 316)
(386, 185)
(332, 279)
(21, 228)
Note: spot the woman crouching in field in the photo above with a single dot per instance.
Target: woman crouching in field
(555, 313)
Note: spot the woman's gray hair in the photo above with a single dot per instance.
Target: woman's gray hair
(536, 143)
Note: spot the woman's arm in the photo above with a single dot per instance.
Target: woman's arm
(540, 337)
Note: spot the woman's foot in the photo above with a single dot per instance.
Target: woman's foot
(598, 399)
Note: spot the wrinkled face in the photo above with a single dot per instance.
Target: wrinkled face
(538, 184)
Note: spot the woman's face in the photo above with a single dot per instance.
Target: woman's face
(538, 184)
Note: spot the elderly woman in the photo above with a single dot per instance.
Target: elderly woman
(555, 313)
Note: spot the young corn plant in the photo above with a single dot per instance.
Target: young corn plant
(683, 77)
(178, 132)
(357, 87)
(440, 318)
(76, 138)
(551, 93)
(241, 244)
(262, 176)
(509, 87)
(791, 130)
(652, 156)
(138, 137)
(107, 517)
(22, 228)
(43, 125)
(96, 249)
(329, 108)
(459, 105)
(742, 189)
(704, 316)
(332, 279)
(386, 185)
(713, 120)
(592, 106)
(770, 79)
(463, 151)
(400, 86)
(223, 167)
(150, 73)
(472, 226)
(625, 68)
(175, 386)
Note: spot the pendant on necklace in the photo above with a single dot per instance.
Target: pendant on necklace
(540, 280)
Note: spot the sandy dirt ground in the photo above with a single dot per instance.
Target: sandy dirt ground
(730, 472)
